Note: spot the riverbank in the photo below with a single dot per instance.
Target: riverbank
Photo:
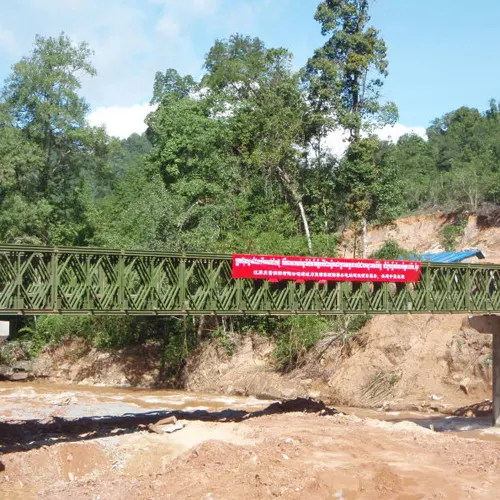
(422, 362)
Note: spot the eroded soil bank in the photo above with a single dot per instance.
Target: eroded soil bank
(420, 362)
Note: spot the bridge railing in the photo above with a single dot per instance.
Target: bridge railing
(47, 280)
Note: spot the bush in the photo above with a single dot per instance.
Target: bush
(450, 234)
(103, 332)
(223, 337)
(391, 250)
(296, 336)
(300, 334)
(14, 350)
(45, 330)
(178, 341)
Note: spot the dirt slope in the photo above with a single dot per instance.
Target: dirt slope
(422, 233)
(396, 361)
(75, 362)
(424, 362)
(417, 359)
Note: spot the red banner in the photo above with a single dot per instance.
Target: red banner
(275, 268)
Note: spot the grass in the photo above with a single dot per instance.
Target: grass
(450, 233)
(297, 336)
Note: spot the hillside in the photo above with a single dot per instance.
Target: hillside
(394, 361)
(422, 234)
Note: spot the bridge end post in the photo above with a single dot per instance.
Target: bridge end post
(491, 324)
(4, 330)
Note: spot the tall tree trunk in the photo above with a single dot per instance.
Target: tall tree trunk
(364, 236)
(306, 226)
(298, 199)
(199, 332)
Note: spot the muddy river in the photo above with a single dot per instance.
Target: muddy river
(38, 401)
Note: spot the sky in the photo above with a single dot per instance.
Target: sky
(441, 52)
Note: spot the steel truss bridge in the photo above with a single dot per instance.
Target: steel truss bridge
(49, 280)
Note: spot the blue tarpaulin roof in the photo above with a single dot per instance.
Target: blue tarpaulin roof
(452, 256)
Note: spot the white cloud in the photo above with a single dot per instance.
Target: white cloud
(203, 6)
(168, 28)
(121, 121)
(194, 7)
(393, 133)
(132, 39)
(336, 141)
(8, 43)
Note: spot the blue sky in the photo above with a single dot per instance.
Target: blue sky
(441, 52)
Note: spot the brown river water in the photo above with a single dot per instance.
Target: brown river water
(32, 401)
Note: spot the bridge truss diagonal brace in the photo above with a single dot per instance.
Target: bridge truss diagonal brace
(491, 324)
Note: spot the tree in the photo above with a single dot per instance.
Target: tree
(42, 109)
(241, 65)
(127, 153)
(344, 78)
(370, 183)
(137, 213)
(467, 152)
(172, 84)
(23, 212)
(191, 151)
(266, 110)
(416, 169)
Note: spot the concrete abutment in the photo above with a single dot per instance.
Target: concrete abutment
(491, 324)
(4, 330)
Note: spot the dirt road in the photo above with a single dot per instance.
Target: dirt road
(95, 443)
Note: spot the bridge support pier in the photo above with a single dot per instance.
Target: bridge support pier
(491, 324)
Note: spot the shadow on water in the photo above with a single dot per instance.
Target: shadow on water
(449, 423)
(469, 419)
(26, 435)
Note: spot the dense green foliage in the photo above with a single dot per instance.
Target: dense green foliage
(451, 232)
(345, 78)
(173, 338)
(50, 158)
(233, 162)
(391, 250)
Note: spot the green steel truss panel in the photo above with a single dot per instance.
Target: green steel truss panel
(44, 280)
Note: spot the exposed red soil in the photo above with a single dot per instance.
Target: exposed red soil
(285, 456)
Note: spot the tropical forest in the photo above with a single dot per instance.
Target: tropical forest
(235, 161)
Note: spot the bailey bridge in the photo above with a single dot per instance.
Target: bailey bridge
(71, 280)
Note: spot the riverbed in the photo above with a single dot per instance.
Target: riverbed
(39, 400)
(61, 441)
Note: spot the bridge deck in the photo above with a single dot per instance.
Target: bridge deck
(45, 280)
